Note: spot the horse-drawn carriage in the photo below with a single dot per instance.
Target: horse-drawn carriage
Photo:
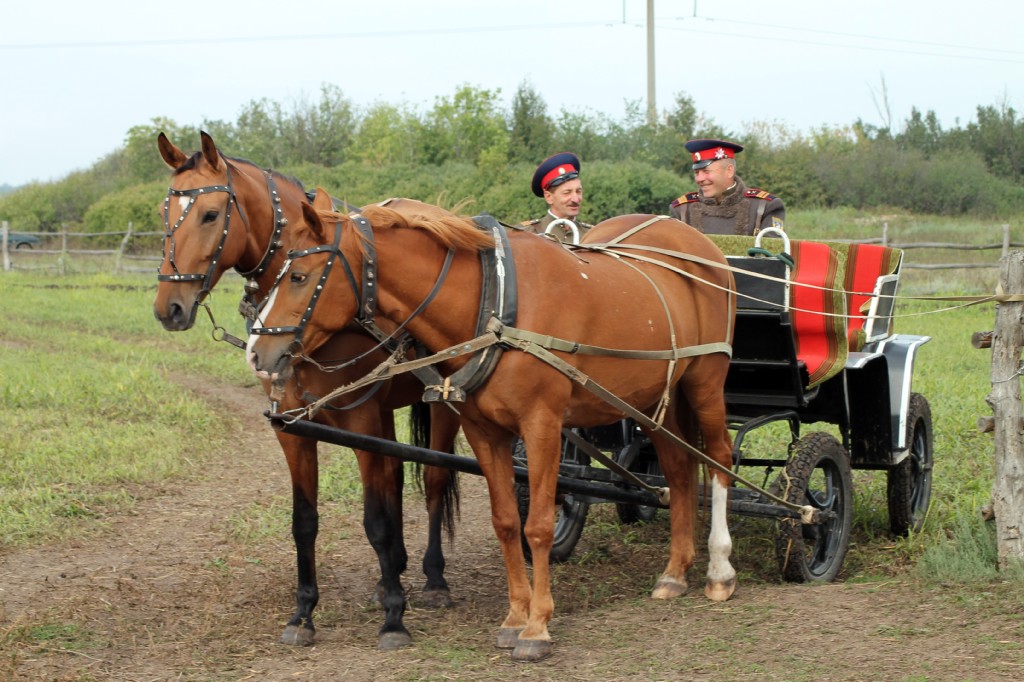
(655, 333)
(813, 345)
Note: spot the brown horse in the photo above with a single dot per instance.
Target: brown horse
(635, 295)
(224, 213)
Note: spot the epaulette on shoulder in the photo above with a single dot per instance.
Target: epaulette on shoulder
(687, 198)
(755, 193)
(528, 223)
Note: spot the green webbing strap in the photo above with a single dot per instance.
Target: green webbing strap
(577, 348)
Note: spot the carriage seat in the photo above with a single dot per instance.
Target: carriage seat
(809, 306)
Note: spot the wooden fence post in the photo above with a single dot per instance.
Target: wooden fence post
(1008, 491)
(1006, 240)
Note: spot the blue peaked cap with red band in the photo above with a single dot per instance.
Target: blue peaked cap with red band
(555, 170)
(706, 151)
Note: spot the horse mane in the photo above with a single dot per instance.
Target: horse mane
(451, 230)
(193, 160)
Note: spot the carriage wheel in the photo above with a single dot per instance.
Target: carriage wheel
(909, 484)
(817, 474)
(644, 461)
(570, 510)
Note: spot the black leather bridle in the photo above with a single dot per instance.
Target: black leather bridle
(207, 278)
(366, 297)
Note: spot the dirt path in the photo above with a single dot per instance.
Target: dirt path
(172, 593)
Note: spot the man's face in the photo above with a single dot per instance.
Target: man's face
(564, 200)
(715, 178)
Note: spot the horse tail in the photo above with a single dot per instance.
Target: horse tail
(419, 424)
(451, 496)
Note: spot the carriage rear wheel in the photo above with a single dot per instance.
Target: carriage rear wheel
(570, 510)
(817, 474)
(909, 484)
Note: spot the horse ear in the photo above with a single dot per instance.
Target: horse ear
(311, 215)
(172, 156)
(322, 200)
(210, 152)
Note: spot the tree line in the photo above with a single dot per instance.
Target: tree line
(470, 146)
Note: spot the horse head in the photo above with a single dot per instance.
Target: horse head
(220, 213)
(290, 325)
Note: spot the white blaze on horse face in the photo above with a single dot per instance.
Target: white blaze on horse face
(258, 324)
(183, 202)
(719, 543)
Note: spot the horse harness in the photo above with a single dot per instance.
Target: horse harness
(498, 300)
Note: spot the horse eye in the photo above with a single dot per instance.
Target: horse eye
(210, 216)
(298, 277)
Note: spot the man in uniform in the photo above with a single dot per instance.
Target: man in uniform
(557, 180)
(723, 204)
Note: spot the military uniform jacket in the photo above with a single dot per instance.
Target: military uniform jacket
(562, 232)
(741, 210)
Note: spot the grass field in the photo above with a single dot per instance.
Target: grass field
(93, 412)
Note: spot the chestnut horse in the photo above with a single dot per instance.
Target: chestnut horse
(661, 344)
(224, 213)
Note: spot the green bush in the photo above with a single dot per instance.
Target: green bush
(139, 205)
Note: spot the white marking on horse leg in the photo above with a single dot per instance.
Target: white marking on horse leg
(720, 571)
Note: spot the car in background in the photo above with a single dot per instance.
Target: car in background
(17, 240)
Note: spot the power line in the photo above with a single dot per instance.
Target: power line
(613, 24)
(763, 26)
(794, 41)
(320, 36)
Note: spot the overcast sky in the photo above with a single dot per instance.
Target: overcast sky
(77, 75)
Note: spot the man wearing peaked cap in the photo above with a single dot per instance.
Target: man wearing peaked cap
(723, 204)
(557, 180)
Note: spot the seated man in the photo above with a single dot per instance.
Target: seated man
(557, 180)
(722, 203)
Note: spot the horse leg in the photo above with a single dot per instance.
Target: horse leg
(493, 451)
(301, 455)
(544, 444)
(708, 418)
(680, 473)
(383, 479)
(441, 488)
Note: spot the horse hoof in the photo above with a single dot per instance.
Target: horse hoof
(508, 638)
(668, 588)
(397, 639)
(531, 650)
(436, 598)
(720, 590)
(298, 636)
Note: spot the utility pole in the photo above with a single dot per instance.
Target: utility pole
(652, 108)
